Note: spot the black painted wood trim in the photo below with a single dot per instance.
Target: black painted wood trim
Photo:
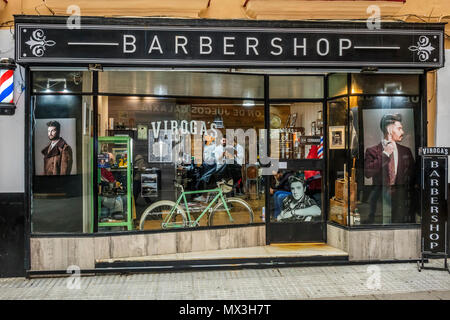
(149, 21)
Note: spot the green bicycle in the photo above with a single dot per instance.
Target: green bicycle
(168, 214)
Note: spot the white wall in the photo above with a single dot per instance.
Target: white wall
(443, 105)
(12, 128)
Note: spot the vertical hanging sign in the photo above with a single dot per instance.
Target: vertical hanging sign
(434, 199)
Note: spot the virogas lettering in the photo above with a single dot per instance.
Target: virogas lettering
(184, 127)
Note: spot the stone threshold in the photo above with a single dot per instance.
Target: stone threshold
(281, 250)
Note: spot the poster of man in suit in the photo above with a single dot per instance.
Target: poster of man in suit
(389, 163)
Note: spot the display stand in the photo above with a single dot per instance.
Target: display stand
(425, 255)
(115, 196)
(434, 208)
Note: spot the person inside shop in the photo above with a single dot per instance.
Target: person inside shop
(230, 169)
(298, 206)
(280, 189)
(209, 164)
(215, 164)
(391, 167)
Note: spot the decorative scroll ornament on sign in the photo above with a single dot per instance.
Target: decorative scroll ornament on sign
(38, 42)
(423, 48)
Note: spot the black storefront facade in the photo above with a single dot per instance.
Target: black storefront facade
(327, 96)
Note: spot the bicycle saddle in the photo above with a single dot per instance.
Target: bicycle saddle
(226, 186)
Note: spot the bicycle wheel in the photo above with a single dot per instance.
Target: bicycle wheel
(155, 216)
(240, 211)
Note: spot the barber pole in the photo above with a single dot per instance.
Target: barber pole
(7, 67)
(6, 86)
(320, 150)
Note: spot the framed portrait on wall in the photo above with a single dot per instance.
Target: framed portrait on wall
(55, 149)
(336, 139)
(383, 127)
(142, 130)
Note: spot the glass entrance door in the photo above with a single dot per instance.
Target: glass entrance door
(296, 197)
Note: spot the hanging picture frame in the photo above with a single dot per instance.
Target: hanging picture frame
(142, 130)
(336, 137)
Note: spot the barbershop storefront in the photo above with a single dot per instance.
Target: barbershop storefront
(150, 137)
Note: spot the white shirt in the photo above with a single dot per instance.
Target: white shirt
(385, 142)
(239, 157)
(53, 144)
(209, 153)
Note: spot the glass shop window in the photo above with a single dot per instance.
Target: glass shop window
(296, 130)
(374, 173)
(296, 87)
(337, 85)
(54, 82)
(387, 172)
(194, 161)
(337, 160)
(388, 84)
(296, 196)
(61, 153)
(176, 83)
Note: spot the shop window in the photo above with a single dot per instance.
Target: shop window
(62, 152)
(195, 84)
(296, 197)
(296, 87)
(194, 161)
(387, 171)
(62, 82)
(387, 84)
(296, 130)
(337, 160)
(372, 160)
(62, 171)
(337, 85)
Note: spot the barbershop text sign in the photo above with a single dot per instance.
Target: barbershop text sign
(434, 196)
(228, 46)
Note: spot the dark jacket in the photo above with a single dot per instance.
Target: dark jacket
(59, 160)
(376, 165)
(284, 184)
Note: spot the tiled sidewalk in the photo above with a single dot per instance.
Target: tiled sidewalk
(382, 281)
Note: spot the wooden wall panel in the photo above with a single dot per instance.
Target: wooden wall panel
(59, 253)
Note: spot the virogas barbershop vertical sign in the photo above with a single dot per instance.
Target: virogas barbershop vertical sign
(434, 198)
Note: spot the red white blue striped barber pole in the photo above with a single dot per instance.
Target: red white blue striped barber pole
(6, 86)
(320, 151)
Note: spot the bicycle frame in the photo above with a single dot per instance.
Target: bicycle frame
(195, 223)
